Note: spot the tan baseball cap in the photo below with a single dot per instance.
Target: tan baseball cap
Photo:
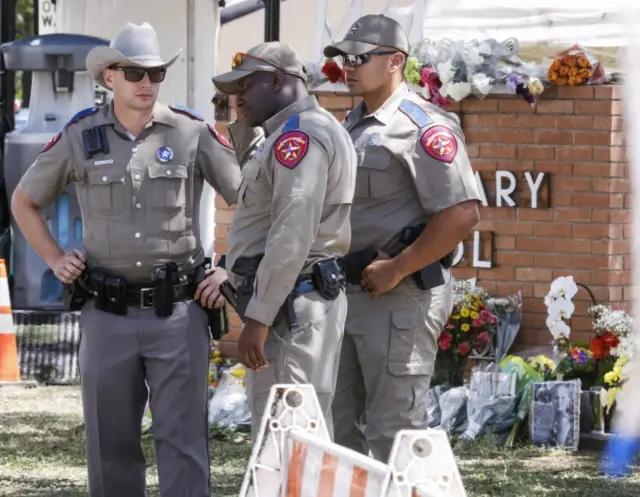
(270, 57)
(368, 33)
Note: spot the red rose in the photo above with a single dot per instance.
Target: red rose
(445, 341)
(598, 348)
(611, 341)
(464, 348)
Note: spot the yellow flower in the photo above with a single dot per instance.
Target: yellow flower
(611, 377)
(610, 397)
(465, 327)
(464, 313)
(474, 315)
(455, 317)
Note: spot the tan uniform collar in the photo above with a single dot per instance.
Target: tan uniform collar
(161, 114)
(386, 110)
(274, 122)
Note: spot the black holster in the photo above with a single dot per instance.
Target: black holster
(429, 276)
(354, 263)
(247, 268)
(218, 318)
(328, 278)
(75, 295)
(109, 292)
(165, 278)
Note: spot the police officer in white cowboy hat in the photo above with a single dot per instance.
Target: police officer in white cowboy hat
(139, 183)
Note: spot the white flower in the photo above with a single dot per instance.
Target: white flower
(457, 91)
(558, 328)
(561, 309)
(482, 83)
(564, 286)
(445, 71)
(550, 298)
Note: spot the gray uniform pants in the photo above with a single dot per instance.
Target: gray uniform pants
(117, 355)
(387, 360)
(307, 353)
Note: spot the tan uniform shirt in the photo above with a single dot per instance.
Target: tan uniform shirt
(140, 202)
(412, 163)
(294, 202)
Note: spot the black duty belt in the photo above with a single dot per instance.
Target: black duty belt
(143, 295)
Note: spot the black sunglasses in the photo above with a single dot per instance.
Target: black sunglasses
(358, 60)
(135, 74)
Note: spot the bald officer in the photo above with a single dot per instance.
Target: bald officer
(290, 226)
(138, 167)
(412, 169)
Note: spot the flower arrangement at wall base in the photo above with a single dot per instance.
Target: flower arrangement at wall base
(448, 70)
(575, 66)
(471, 327)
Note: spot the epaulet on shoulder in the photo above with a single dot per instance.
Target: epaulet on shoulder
(416, 113)
(89, 111)
(186, 111)
(292, 124)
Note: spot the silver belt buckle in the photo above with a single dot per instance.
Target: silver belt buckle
(147, 298)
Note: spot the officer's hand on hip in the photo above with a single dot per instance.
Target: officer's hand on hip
(208, 291)
(381, 276)
(70, 266)
(251, 344)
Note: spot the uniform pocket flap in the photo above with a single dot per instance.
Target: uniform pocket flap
(105, 176)
(251, 170)
(376, 158)
(405, 319)
(169, 171)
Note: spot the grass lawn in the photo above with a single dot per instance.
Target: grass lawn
(41, 454)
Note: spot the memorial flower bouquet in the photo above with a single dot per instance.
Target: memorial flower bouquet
(470, 327)
(575, 66)
(457, 69)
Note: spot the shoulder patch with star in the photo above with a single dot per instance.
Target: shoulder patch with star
(218, 136)
(291, 147)
(440, 143)
(55, 139)
(186, 111)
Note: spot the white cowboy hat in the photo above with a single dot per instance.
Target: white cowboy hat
(135, 44)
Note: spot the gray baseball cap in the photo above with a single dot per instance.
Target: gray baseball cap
(368, 33)
(270, 57)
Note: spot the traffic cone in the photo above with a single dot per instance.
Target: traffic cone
(9, 366)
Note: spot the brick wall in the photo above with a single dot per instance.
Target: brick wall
(582, 227)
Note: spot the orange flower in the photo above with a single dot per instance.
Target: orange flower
(555, 65)
(569, 60)
(584, 62)
(553, 76)
(575, 81)
(584, 73)
(573, 72)
(564, 70)
(561, 81)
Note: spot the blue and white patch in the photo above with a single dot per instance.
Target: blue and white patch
(164, 154)
(374, 139)
(259, 151)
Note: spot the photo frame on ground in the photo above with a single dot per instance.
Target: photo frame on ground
(555, 414)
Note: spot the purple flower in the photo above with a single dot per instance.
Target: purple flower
(512, 82)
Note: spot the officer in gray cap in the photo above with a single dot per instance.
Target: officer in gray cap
(138, 167)
(290, 227)
(413, 170)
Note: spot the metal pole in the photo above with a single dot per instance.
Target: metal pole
(271, 20)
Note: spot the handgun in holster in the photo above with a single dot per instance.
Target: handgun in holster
(354, 263)
(76, 294)
(218, 317)
(246, 268)
(166, 278)
(429, 276)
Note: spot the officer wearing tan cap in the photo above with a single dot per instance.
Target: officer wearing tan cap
(290, 227)
(412, 169)
(138, 168)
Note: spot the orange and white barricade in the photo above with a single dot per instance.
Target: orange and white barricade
(9, 364)
(293, 456)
